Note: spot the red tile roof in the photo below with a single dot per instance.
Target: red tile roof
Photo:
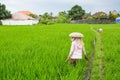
(26, 12)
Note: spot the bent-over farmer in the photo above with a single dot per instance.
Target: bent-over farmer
(100, 30)
(77, 48)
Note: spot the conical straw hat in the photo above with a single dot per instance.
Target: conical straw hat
(76, 34)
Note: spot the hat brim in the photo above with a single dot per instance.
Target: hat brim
(76, 34)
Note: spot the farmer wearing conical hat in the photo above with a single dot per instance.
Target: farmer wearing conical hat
(100, 30)
(77, 48)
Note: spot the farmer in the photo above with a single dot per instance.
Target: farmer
(77, 48)
(100, 30)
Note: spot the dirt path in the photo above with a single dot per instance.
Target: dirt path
(93, 57)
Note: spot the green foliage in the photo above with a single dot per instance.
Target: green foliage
(76, 12)
(46, 19)
(33, 15)
(118, 14)
(0, 22)
(63, 17)
(90, 18)
(4, 14)
(112, 16)
(86, 16)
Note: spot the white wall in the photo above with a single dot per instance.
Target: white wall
(19, 22)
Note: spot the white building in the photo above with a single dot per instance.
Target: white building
(19, 18)
(19, 22)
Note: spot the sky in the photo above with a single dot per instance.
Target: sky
(55, 6)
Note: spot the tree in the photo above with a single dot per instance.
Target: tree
(118, 15)
(46, 18)
(63, 17)
(76, 12)
(4, 14)
(33, 15)
(86, 16)
(112, 16)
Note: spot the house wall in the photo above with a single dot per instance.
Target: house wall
(19, 22)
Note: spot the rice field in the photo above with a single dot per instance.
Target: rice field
(108, 53)
(111, 45)
(38, 52)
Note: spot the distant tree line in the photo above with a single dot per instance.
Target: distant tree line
(4, 13)
(77, 15)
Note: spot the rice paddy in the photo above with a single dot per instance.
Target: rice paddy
(38, 52)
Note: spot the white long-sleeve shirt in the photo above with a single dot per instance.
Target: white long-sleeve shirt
(76, 50)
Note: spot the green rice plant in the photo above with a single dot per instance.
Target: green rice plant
(38, 52)
(112, 53)
(109, 59)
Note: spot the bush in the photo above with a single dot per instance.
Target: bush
(46, 19)
(0, 22)
(63, 17)
(33, 15)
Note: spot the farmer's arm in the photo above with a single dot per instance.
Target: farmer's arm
(71, 51)
(84, 52)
